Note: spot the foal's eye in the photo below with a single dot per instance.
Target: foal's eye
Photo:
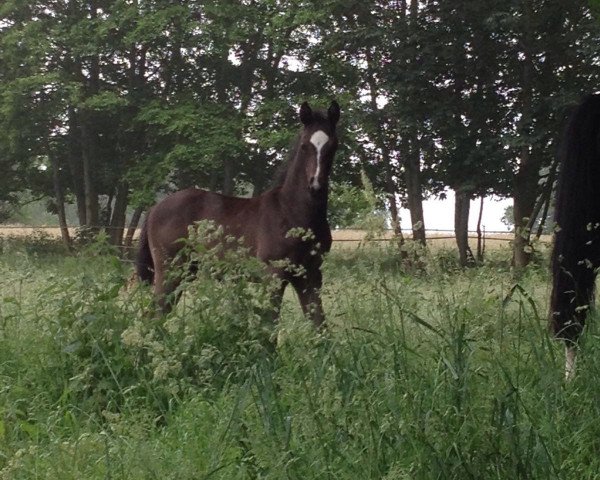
(304, 147)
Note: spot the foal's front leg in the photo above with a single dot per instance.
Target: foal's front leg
(583, 285)
(277, 298)
(308, 289)
(165, 285)
(164, 282)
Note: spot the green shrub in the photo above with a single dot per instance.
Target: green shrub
(440, 373)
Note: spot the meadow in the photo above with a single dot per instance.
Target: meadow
(426, 371)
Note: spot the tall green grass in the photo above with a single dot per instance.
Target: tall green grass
(424, 372)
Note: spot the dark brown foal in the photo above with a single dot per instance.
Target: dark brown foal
(266, 224)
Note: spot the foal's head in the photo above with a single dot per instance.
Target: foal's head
(318, 143)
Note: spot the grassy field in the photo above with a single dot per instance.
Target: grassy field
(426, 371)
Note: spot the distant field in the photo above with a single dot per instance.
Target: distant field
(342, 238)
(355, 238)
(23, 231)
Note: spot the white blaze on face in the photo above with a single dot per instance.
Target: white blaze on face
(318, 139)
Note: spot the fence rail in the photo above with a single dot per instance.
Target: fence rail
(341, 236)
(13, 226)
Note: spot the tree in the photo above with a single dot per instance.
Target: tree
(548, 65)
(106, 104)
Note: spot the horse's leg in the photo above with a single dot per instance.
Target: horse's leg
(164, 290)
(570, 360)
(585, 292)
(275, 311)
(277, 299)
(159, 290)
(308, 289)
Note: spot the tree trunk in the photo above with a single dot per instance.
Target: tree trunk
(543, 218)
(523, 208)
(386, 155)
(412, 175)
(396, 222)
(106, 212)
(89, 164)
(133, 224)
(412, 157)
(60, 203)
(525, 184)
(89, 137)
(462, 205)
(117, 221)
(75, 164)
(523, 205)
(480, 237)
(547, 198)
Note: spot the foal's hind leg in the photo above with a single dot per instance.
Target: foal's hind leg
(309, 292)
(584, 289)
(277, 299)
(274, 313)
(164, 291)
(570, 359)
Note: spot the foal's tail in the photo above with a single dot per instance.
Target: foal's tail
(577, 217)
(144, 264)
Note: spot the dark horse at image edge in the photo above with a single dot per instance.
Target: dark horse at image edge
(576, 255)
(262, 222)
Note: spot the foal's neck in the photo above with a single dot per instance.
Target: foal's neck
(305, 207)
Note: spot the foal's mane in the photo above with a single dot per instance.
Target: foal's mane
(282, 170)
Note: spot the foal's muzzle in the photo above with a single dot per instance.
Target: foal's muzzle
(313, 184)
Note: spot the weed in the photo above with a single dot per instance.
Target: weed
(433, 373)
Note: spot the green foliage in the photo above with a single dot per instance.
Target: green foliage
(595, 7)
(229, 294)
(436, 375)
(105, 101)
(508, 219)
(354, 207)
(7, 210)
(347, 205)
(25, 209)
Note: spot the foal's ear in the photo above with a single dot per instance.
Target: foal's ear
(306, 114)
(333, 112)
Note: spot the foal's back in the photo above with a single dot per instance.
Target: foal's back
(169, 220)
(262, 223)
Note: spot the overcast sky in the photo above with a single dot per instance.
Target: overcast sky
(439, 214)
